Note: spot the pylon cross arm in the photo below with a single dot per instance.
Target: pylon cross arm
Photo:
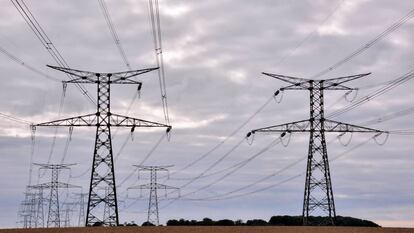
(142, 186)
(92, 120)
(50, 184)
(325, 84)
(340, 127)
(150, 186)
(92, 77)
(156, 168)
(85, 120)
(297, 126)
(305, 126)
(125, 121)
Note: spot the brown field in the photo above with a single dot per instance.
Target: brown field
(243, 229)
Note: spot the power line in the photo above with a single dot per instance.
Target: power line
(310, 35)
(15, 119)
(225, 196)
(46, 42)
(391, 29)
(368, 45)
(156, 32)
(272, 144)
(234, 132)
(147, 156)
(114, 34)
(19, 61)
(396, 82)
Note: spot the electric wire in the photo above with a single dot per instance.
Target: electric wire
(396, 82)
(267, 177)
(157, 38)
(147, 156)
(113, 32)
(226, 196)
(234, 132)
(21, 62)
(221, 178)
(225, 155)
(15, 119)
(261, 108)
(52, 149)
(369, 44)
(37, 29)
(390, 116)
(310, 35)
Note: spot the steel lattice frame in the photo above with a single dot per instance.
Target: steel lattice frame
(81, 203)
(153, 186)
(318, 193)
(53, 218)
(103, 173)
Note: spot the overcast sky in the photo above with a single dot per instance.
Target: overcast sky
(214, 54)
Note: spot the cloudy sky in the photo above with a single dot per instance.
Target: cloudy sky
(214, 53)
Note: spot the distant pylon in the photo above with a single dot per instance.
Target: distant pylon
(318, 186)
(39, 215)
(153, 186)
(53, 218)
(81, 220)
(28, 209)
(67, 209)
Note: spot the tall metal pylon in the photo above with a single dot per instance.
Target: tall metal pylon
(153, 186)
(81, 220)
(28, 209)
(318, 195)
(67, 209)
(103, 173)
(39, 206)
(53, 218)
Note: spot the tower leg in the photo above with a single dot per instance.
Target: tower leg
(103, 174)
(318, 197)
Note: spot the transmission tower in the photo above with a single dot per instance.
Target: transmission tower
(103, 173)
(67, 209)
(81, 203)
(53, 218)
(40, 212)
(39, 215)
(318, 194)
(153, 186)
(28, 209)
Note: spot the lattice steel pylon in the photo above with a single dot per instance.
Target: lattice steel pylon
(153, 186)
(68, 208)
(40, 214)
(28, 209)
(81, 219)
(103, 173)
(53, 218)
(318, 195)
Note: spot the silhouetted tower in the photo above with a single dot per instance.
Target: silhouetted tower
(53, 218)
(28, 209)
(318, 194)
(39, 215)
(81, 220)
(67, 209)
(103, 173)
(153, 186)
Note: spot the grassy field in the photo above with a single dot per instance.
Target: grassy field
(243, 229)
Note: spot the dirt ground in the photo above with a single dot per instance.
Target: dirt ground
(243, 229)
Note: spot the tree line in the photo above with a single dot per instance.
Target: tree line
(284, 220)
